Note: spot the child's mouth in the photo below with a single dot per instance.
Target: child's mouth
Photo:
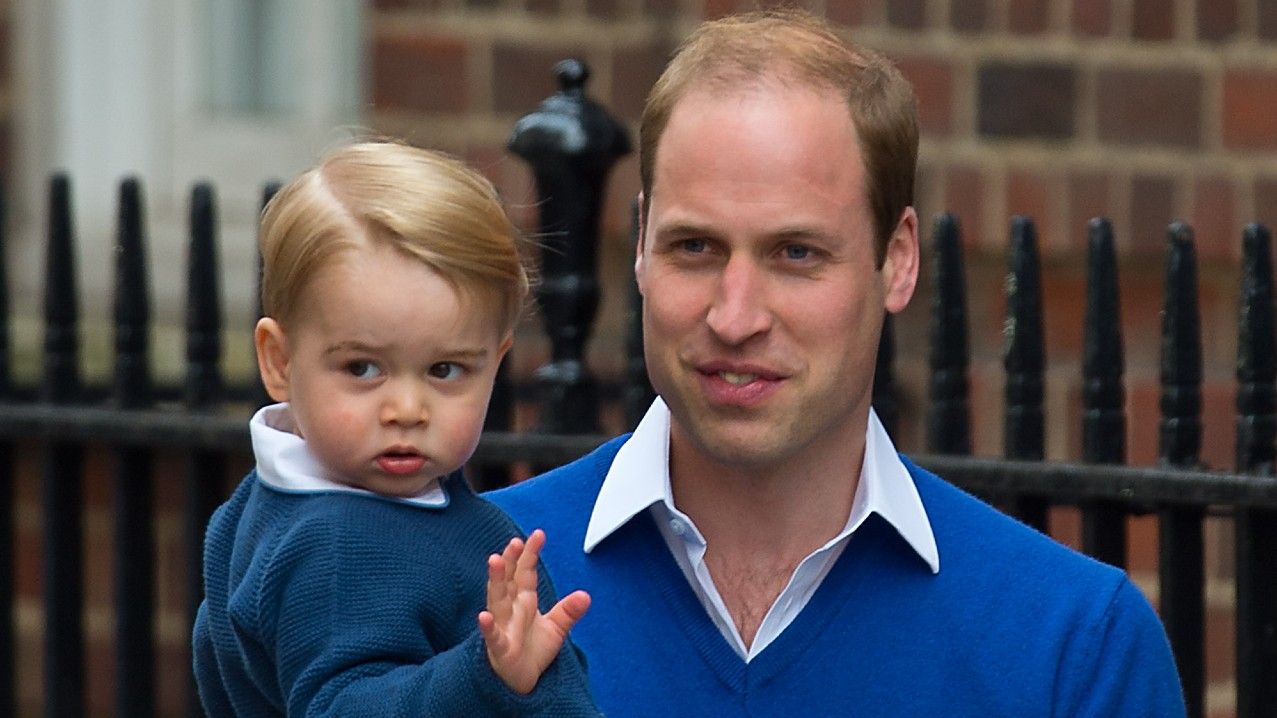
(401, 463)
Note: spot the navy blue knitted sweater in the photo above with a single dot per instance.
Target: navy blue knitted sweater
(341, 604)
(1013, 625)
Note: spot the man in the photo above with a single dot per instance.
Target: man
(757, 546)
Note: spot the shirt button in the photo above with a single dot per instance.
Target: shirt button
(679, 528)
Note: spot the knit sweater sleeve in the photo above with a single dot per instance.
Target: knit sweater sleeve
(347, 623)
(1121, 665)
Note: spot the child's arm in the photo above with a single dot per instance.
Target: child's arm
(521, 641)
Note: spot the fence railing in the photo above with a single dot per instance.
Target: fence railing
(131, 432)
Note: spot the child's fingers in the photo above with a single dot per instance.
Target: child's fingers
(526, 572)
(569, 610)
(491, 636)
(513, 552)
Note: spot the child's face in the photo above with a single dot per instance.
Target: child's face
(386, 369)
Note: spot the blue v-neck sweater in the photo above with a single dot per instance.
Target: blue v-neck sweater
(1014, 624)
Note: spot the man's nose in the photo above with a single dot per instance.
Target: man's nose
(404, 404)
(740, 308)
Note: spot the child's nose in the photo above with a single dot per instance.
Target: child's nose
(404, 405)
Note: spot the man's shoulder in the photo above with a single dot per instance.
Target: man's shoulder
(569, 490)
(977, 539)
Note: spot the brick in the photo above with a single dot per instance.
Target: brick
(969, 15)
(542, 7)
(1029, 17)
(522, 76)
(963, 195)
(1217, 19)
(1152, 209)
(907, 14)
(1249, 99)
(1092, 18)
(1153, 19)
(714, 9)
(660, 8)
(1160, 107)
(1035, 195)
(932, 81)
(1214, 219)
(1266, 25)
(422, 74)
(1035, 100)
(849, 12)
(634, 70)
(482, 4)
(603, 9)
(1090, 196)
(1265, 189)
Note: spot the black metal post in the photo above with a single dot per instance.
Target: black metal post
(1103, 417)
(204, 469)
(638, 388)
(1256, 535)
(8, 586)
(134, 512)
(1182, 577)
(949, 415)
(269, 190)
(1023, 359)
(63, 500)
(884, 400)
(571, 143)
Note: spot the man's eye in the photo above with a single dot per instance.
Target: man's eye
(445, 370)
(693, 246)
(362, 369)
(797, 251)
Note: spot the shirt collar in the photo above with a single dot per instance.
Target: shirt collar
(285, 463)
(639, 477)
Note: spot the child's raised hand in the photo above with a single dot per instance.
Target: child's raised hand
(522, 642)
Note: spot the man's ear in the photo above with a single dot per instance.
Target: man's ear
(638, 246)
(272, 357)
(900, 263)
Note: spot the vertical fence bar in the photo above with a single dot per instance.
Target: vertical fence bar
(260, 397)
(134, 511)
(204, 469)
(1256, 530)
(949, 415)
(1182, 579)
(8, 586)
(62, 494)
(1103, 419)
(571, 143)
(1022, 357)
(638, 387)
(884, 386)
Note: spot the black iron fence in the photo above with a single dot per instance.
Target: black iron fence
(133, 425)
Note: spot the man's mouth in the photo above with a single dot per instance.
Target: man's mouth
(736, 379)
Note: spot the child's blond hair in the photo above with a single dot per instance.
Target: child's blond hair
(428, 205)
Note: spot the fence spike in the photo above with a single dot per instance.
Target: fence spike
(61, 309)
(1256, 356)
(8, 655)
(949, 416)
(134, 577)
(1256, 529)
(638, 387)
(571, 143)
(1181, 562)
(1103, 395)
(203, 307)
(61, 492)
(132, 303)
(1023, 346)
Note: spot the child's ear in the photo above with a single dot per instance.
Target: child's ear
(272, 357)
(505, 346)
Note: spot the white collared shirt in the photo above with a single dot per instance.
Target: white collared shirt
(640, 479)
(284, 462)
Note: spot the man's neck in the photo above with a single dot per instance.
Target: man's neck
(760, 522)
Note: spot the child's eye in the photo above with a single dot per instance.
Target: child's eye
(362, 369)
(445, 370)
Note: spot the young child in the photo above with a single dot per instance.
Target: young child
(346, 575)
